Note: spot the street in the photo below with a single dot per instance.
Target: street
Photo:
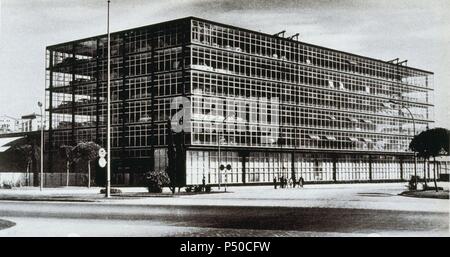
(328, 210)
(62, 219)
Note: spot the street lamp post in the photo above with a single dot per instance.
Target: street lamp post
(108, 120)
(41, 182)
(414, 134)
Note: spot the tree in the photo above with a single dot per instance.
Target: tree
(31, 152)
(87, 151)
(431, 143)
(68, 151)
(438, 144)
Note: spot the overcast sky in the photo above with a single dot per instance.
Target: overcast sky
(418, 31)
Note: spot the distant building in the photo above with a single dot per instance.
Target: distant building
(9, 124)
(31, 122)
(265, 105)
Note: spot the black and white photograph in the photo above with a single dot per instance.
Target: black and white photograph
(197, 119)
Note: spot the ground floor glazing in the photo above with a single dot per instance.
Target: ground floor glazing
(261, 167)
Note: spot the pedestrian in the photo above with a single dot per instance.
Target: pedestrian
(300, 182)
(293, 182)
(274, 182)
(282, 181)
(203, 183)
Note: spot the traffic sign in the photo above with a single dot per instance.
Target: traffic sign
(102, 152)
(102, 162)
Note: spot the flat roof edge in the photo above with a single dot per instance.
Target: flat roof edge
(305, 43)
(239, 28)
(121, 31)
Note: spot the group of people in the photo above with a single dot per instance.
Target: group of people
(286, 183)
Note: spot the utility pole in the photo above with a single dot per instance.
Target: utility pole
(108, 126)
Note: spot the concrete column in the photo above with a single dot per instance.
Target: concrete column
(401, 169)
(334, 168)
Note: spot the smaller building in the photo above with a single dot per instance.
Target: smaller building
(31, 122)
(8, 124)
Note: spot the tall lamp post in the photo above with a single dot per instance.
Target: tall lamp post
(41, 182)
(108, 119)
(414, 134)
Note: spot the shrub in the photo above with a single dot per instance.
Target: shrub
(208, 188)
(7, 185)
(112, 191)
(188, 189)
(198, 188)
(156, 180)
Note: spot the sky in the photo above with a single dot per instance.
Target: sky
(415, 30)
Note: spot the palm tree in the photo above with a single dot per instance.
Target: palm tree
(31, 152)
(68, 151)
(86, 151)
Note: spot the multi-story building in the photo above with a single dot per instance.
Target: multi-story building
(266, 105)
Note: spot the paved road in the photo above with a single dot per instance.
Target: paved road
(115, 219)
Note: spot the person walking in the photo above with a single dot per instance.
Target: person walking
(203, 183)
(274, 182)
(300, 182)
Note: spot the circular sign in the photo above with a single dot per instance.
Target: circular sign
(102, 152)
(221, 167)
(102, 162)
(228, 167)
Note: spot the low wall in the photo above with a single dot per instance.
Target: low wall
(18, 179)
(15, 179)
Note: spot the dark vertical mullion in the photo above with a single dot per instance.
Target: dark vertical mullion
(50, 119)
(185, 33)
(185, 40)
(123, 98)
(335, 160)
(401, 168)
(293, 165)
(245, 156)
(152, 89)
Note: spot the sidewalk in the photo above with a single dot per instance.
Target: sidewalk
(74, 194)
(360, 196)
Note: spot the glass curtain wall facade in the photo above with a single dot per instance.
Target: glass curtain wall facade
(274, 106)
(147, 72)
